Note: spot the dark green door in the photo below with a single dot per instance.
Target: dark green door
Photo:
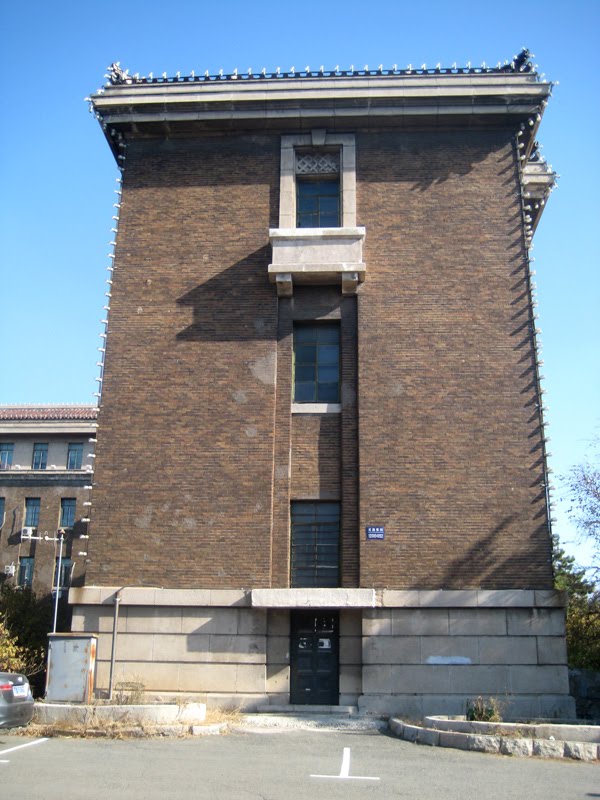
(314, 650)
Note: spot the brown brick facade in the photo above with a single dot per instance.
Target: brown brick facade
(194, 477)
(184, 470)
(450, 438)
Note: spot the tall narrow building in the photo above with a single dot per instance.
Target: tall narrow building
(320, 471)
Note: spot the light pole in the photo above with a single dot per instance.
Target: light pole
(60, 539)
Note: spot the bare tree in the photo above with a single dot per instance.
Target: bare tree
(584, 486)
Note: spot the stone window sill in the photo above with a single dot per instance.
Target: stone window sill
(316, 408)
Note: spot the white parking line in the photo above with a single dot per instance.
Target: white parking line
(345, 771)
(20, 747)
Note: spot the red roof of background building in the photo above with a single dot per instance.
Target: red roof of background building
(48, 412)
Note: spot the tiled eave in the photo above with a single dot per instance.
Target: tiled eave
(538, 181)
(141, 109)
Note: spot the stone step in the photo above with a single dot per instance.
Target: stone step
(325, 722)
(298, 710)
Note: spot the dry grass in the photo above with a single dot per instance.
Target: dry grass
(95, 726)
(214, 716)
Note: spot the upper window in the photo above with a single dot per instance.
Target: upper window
(32, 512)
(6, 454)
(40, 456)
(315, 556)
(317, 190)
(321, 158)
(74, 455)
(67, 512)
(318, 203)
(317, 363)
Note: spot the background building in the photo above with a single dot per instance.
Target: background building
(321, 459)
(46, 463)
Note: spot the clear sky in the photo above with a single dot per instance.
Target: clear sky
(57, 175)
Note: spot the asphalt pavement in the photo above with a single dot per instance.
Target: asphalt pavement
(278, 765)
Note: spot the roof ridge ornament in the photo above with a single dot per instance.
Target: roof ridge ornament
(521, 63)
(116, 75)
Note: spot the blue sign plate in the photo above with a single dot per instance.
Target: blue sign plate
(375, 532)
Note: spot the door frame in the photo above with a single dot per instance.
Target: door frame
(305, 620)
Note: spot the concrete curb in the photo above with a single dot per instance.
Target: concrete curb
(490, 743)
(132, 715)
(134, 732)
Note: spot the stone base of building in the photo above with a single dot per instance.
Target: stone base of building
(405, 653)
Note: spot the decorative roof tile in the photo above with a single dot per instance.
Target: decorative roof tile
(48, 412)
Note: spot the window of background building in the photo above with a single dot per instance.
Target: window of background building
(317, 363)
(6, 454)
(32, 512)
(25, 572)
(2, 504)
(62, 581)
(315, 556)
(74, 455)
(67, 512)
(40, 456)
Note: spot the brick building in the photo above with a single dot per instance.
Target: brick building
(46, 463)
(320, 473)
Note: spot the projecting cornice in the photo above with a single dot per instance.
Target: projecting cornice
(139, 108)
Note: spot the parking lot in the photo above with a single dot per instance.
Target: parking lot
(290, 765)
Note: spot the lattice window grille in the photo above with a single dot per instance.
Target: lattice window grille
(317, 163)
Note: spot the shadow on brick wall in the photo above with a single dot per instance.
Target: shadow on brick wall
(238, 304)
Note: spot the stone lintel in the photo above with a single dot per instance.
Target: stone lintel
(470, 598)
(313, 598)
(320, 598)
(150, 596)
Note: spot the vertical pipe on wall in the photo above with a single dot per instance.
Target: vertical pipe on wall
(113, 651)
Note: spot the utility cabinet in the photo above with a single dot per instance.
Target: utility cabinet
(71, 667)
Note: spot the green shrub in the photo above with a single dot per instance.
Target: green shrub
(27, 620)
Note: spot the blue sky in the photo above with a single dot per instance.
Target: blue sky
(57, 175)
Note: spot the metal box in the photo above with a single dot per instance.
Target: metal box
(71, 667)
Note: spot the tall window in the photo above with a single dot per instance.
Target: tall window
(74, 455)
(25, 572)
(315, 556)
(6, 454)
(67, 512)
(32, 512)
(40, 456)
(317, 363)
(1, 512)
